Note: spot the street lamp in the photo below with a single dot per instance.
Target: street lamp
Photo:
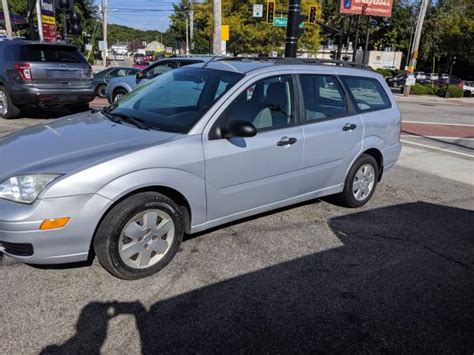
(453, 61)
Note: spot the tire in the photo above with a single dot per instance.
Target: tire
(348, 197)
(125, 239)
(7, 108)
(118, 94)
(100, 91)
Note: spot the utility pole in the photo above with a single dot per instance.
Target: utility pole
(416, 42)
(40, 20)
(6, 14)
(187, 35)
(356, 40)
(105, 7)
(191, 27)
(365, 61)
(217, 38)
(292, 29)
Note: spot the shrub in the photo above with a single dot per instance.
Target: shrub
(454, 91)
(384, 72)
(419, 89)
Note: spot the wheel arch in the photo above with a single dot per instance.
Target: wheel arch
(377, 155)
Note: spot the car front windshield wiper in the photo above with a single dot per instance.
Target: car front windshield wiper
(122, 117)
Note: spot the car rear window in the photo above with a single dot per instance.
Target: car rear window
(51, 54)
(368, 94)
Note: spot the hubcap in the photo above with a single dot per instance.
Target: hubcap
(3, 104)
(146, 238)
(363, 183)
(118, 97)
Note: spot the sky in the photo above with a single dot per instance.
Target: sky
(131, 13)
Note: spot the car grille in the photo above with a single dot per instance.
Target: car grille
(20, 249)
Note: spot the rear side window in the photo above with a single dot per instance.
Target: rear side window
(323, 97)
(368, 94)
(51, 54)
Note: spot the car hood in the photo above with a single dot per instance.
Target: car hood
(71, 144)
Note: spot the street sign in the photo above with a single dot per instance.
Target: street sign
(257, 10)
(102, 45)
(283, 22)
(410, 81)
(225, 35)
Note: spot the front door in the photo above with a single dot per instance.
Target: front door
(243, 174)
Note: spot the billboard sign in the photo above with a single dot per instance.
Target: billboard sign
(366, 7)
(48, 20)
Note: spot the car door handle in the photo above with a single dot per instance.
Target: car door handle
(349, 127)
(286, 141)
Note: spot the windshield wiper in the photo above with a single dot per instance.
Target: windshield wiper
(120, 117)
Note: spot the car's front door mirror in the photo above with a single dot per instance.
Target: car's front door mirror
(239, 129)
(140, 75)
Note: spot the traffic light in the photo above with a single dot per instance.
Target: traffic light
(75, 23)
(312, 14)
(270, 11)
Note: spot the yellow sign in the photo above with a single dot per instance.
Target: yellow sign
(50, 20)
(225, 33)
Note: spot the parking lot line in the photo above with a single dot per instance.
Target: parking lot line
(439, 123)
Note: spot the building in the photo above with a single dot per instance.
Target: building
(155, 47)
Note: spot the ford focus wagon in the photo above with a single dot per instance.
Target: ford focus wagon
(195, 148)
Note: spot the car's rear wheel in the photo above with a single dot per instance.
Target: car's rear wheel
(7, 108)
(118, 94)
(139, 236)
(100, 91)
(360, 183)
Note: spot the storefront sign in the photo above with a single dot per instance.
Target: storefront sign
(49, 20)
(366, 7)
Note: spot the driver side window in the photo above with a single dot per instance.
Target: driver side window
(267, 104)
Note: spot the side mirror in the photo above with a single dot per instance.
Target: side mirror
(140, 75)
(239, 129)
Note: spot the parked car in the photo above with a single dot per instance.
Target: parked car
(469, 88)
(432, 77)
(119, 57)
(42, 74)
(119, 87)
(102, 78)
(398, 80)
(198, 147)
(419, 75)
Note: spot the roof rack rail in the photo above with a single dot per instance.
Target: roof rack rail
(316, 61)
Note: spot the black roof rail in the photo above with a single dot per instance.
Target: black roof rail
(316, 61)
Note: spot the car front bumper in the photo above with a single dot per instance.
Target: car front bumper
(22, 239)
(25, 95)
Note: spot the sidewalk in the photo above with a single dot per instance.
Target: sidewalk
(469, 101)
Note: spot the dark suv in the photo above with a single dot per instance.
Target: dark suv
(42, 74)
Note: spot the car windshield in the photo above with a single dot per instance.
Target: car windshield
(175, 101)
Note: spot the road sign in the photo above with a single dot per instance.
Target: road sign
(283, 22)
(410, 81)
(225, 33)
(257, 10)
(102, 45)
(48, 20)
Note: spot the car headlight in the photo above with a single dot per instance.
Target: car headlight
(25, 188)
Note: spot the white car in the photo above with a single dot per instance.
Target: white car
(119, 57)
(469, 86)
(433, 77)
(419, 75)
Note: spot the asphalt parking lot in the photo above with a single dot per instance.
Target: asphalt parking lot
(394, 276)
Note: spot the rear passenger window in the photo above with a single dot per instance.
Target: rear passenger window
(368, 93)
(323, 97)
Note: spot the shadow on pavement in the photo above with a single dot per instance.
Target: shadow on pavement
(402, 282)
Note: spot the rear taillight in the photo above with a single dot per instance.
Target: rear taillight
(90, 73)
(24, 71)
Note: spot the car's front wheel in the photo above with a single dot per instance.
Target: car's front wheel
(118, 94)
(139, 236)
(7, 108)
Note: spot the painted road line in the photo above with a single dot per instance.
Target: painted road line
(439, 123)
(436, 137)
(436, 148)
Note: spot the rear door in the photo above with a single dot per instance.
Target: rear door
(56, 66)
(333, 133)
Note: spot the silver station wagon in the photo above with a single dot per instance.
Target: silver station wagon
(195, 148)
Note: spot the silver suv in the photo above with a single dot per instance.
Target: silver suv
(195, 148)
(42, 74)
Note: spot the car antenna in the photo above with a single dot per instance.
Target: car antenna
(213, 59)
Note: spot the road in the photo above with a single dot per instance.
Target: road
(396, 275)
